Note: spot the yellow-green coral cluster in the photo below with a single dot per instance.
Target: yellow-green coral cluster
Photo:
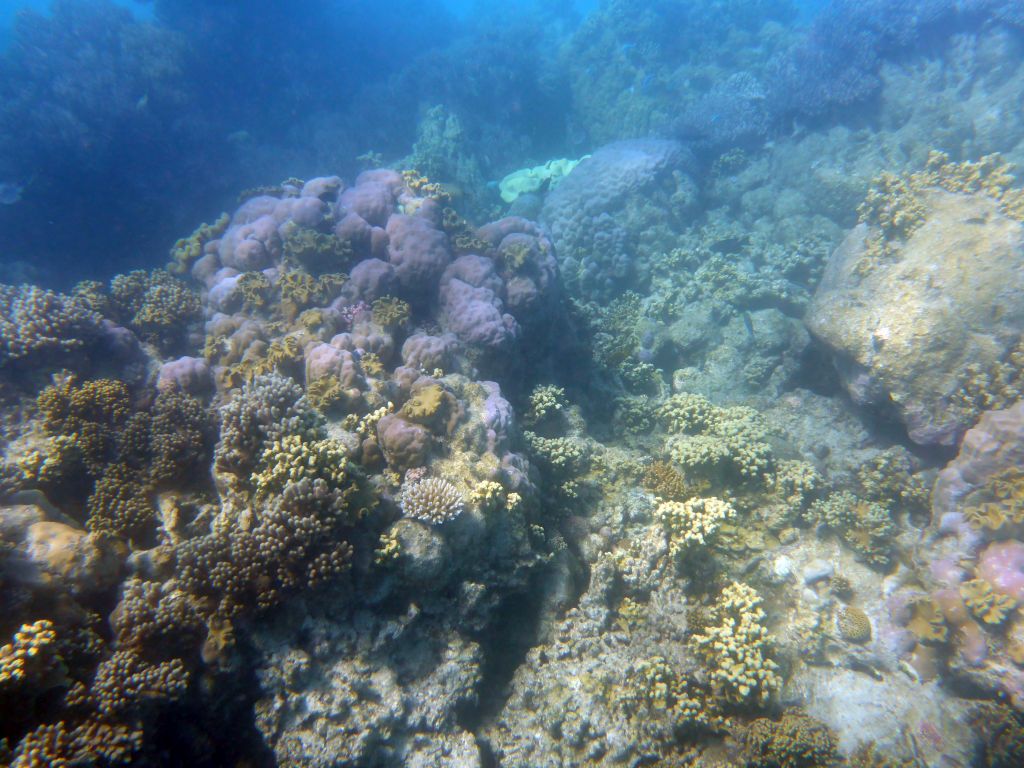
(692, 522)
(711, 440)
(31, 656)
(655, 688)
(985, 602)
(157, 306)
(896, 205)
(293, 458)
(991, 387)
(546, 400)
(796, 740)
(390, 312)
(317, 252)
(188, 249)
(865, 525)
(735, 647)
(1001, 503)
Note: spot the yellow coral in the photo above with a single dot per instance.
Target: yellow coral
(693, 521)
(985, 602)
(735, 647)
(854, 625)
(390, 311)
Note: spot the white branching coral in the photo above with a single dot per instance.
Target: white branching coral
(433, 500)
(735, 647)
(693, 521)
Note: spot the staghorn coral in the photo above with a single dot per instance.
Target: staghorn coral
(432, 500)
(39, 327)
(796, 740)
(734, 644)
(692, 522)
(664, 481)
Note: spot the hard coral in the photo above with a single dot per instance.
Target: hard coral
(432, 500)
(796, 740)
(735, 646)
(40, 327)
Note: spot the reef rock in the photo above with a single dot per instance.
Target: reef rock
(911, 327)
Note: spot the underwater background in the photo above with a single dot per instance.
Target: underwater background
(523, 384)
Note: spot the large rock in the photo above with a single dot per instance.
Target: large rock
(905, 329)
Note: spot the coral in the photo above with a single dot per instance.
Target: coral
(125, 682)
(853, 624)
(254, 287)
(692, 522)
(317, 252)
(796, 740)
(865, 525)
(187, 250)
(31, 660)
(535, 179)
(734, 645)
(687, 413)
(985, 602)
(157, 306)
(180, 433)
(664, 481)
(546, 401)
(426, 405)
(120, 503)
(266, 409)
(390, 312)
(1002, 735)
(152, 615)
(797, 482)
(293, 461)
(40, 327)
(927, 623)
(432, 500)
(659, 690)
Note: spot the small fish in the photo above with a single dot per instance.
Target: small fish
(10, 193)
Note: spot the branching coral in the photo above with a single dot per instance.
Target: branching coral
(40, 327)
(713, 440)
(266, 409)
(734, 645)
(865, 525)
(156, 305)
(796, 740)
(692, 522)
(432, 500)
